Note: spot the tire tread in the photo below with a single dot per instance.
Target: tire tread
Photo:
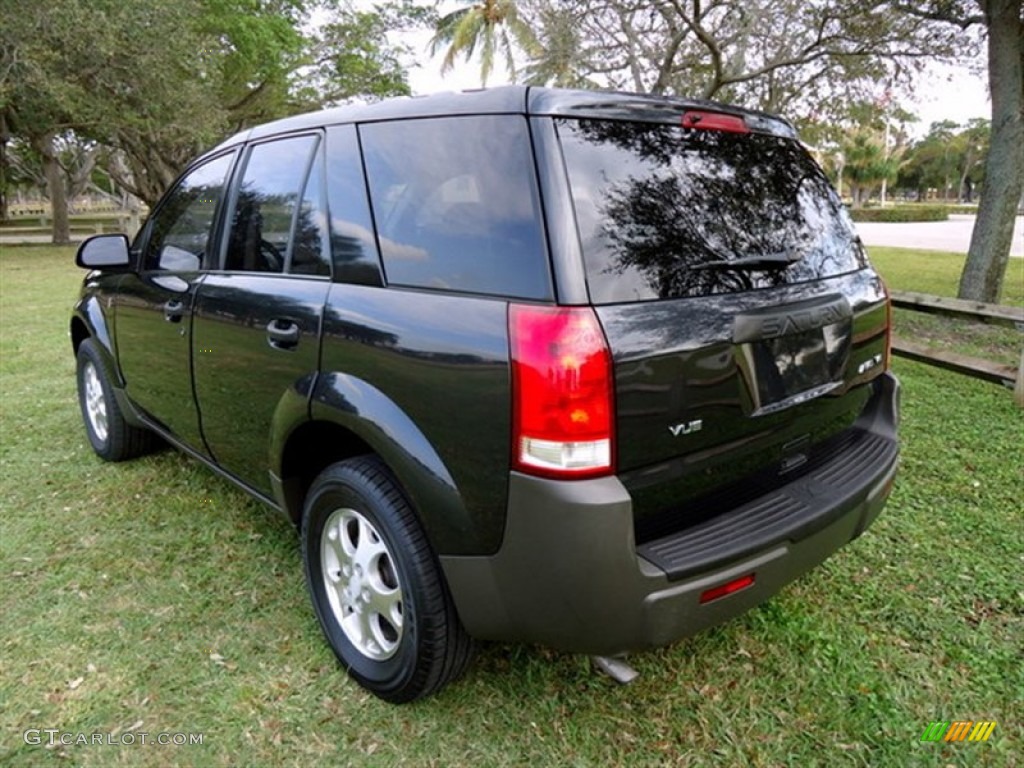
(447, 649)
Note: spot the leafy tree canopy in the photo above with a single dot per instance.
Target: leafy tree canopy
(787, 56)
(158, 82)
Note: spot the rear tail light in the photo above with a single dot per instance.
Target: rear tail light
(561, 392)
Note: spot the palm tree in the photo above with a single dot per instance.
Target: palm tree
(866, 163)
(490, 24)
(557, 55)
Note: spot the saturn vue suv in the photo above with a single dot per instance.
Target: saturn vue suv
(590, 370)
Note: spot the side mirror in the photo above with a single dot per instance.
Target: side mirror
(103, 252)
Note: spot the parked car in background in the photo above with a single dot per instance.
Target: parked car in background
(585, 369)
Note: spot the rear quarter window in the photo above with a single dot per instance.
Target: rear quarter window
(455, 205)
(663, 210)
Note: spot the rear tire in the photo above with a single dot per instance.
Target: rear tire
(110, 435)
(376, 585)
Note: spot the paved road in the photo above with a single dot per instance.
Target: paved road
(953, 235)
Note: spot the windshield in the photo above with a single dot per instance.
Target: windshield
(667, 212)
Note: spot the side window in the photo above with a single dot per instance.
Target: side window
(180, 230)
(268, 203)
(352, 242)
(456, 206)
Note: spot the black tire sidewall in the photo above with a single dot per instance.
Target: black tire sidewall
(342, 489)
(88, 354)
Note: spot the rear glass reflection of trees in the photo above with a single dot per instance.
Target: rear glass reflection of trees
(656, 202)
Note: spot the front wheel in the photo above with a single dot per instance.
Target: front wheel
(109, 433)
(376, 586)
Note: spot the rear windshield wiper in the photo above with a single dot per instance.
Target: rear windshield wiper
(751, 263)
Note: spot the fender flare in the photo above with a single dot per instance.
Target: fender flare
(370, 415)
(89, 311)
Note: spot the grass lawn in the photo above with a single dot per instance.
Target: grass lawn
(938, 273)
(153, 597)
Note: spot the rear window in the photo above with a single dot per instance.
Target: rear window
(667, 212)
(456, 206)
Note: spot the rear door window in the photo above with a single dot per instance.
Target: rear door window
(456, 206)
(667, 212)
(274, 201)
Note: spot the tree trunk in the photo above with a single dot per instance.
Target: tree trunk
(79, 176)
(146, 172)
(4, 214)
(989, 252)
(4, 138)
(54, 188)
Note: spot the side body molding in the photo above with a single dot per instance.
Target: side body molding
(367, 412)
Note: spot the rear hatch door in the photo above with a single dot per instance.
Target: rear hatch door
(742, 315)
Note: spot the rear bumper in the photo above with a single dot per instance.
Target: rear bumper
(569, 574)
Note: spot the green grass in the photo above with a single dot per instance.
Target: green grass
(154, 595)
(938, 273)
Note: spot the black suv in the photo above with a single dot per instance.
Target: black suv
(586, 369)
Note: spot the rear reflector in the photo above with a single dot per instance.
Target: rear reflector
(714, 121)
(727, 589)
(561, 392)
